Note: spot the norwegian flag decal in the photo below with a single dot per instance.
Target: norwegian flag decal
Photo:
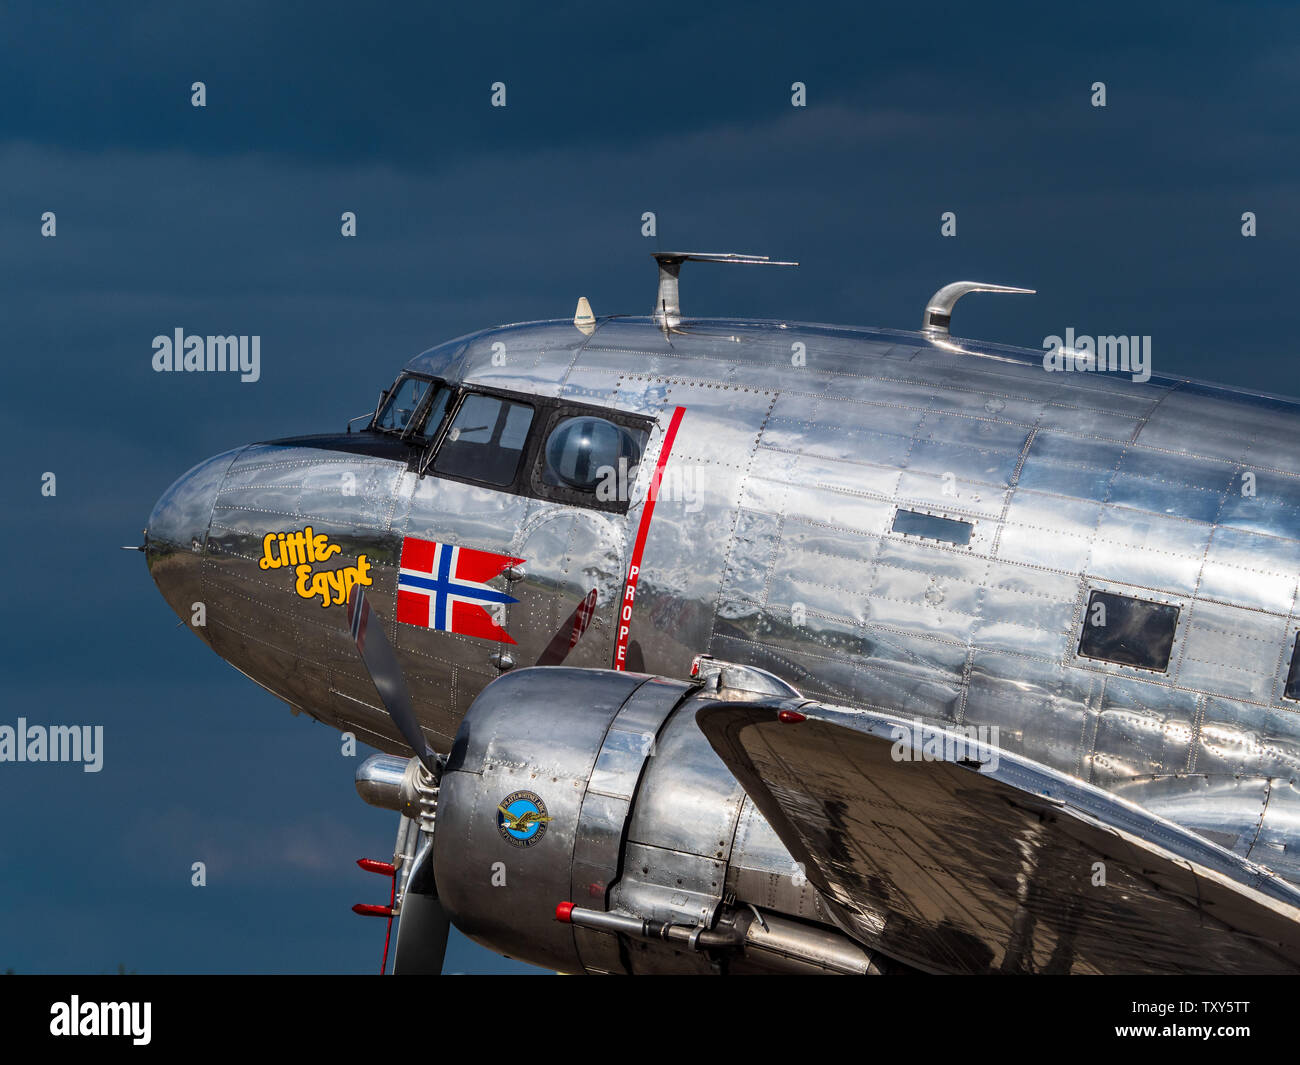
(444, 587)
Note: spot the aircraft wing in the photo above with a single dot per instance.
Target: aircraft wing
(954, 867)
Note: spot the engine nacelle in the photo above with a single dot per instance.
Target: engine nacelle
(597, 788)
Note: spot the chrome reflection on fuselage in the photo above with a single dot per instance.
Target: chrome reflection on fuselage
(791, 555)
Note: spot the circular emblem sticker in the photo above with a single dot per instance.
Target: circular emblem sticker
(522, 818)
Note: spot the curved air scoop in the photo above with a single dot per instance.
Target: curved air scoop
(938, 312)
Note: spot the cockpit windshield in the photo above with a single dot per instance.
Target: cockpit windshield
(406, 412)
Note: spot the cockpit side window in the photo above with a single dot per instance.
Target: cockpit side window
(404, 411)
(486, 440)
(437, 412)
(536, 446)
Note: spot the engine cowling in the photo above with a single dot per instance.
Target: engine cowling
(596, 789)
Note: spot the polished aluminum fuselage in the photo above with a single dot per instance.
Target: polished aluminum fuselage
(775, 548)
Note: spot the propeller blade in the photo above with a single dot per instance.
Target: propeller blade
(377, 655)
(423, 924)
(570, 632)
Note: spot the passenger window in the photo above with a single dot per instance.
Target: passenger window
(1293, 674)
(485, 441)
(583, 451)
(403, 404)
(1128, 632)
(932, 527)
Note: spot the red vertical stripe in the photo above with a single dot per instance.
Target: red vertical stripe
(624, 620)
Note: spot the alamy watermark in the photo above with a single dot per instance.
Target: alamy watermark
(1082, 354)
(77, 1018)
(918, 742)
(55, 743)
(676, 484)
(196, 354)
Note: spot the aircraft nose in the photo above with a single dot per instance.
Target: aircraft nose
(175, 538)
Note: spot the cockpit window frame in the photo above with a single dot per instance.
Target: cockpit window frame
(432, 452)
(421, 412)
(547, 413)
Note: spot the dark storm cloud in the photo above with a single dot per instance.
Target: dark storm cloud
(342, 81)
(226, 220)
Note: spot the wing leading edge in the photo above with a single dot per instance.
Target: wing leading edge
(1008, 867)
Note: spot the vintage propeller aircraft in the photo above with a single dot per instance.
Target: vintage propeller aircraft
(719, 646)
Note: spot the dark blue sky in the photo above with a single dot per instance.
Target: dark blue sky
(226, 220)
